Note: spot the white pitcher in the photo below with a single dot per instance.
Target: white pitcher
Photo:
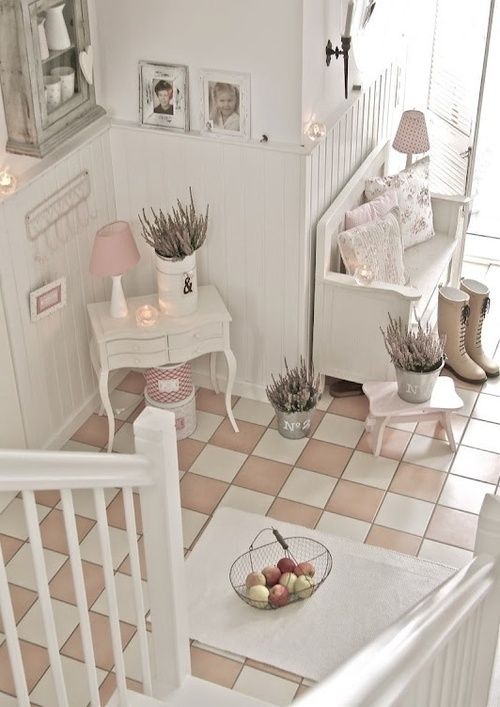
(56, 30)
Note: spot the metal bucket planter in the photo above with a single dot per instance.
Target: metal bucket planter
(294, 425)
(177, 285)
(416, 387)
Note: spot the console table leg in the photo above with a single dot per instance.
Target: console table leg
(446, 423)
(104, 392)
(231, 375)
(213, 372)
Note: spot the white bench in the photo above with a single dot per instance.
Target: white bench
(347, 342)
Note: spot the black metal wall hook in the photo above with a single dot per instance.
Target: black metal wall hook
(345, 43)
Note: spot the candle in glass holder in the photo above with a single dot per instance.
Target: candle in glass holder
(315, 131)
(146, 315)
(363, 275)
(7, 182)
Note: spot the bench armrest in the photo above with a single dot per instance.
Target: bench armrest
(334, 279)
(452, 198)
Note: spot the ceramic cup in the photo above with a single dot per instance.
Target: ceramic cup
(53, 87)
(66, 74)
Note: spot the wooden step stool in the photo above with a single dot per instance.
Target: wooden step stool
(386, 406)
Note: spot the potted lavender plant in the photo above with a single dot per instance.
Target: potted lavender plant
(418, 358)
(175, 238)
(293, 396)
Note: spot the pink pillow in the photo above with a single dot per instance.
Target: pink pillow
(372, 210)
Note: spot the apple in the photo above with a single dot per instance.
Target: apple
(278, 595)
(287, 580)
(255, 578)
(286, 565)
(305, 568)
(304, 586)
(272, 575)
(258, 595)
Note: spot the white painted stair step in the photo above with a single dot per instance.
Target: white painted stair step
(193, 693)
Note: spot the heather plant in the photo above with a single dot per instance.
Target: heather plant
(419, 349)
(178, 234)
(297, 390)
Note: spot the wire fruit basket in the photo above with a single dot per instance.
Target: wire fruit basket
(310, 558)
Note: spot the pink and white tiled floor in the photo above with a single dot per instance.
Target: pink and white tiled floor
(417, 497)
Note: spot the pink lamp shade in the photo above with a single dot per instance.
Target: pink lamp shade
(412, 137)
(114, 251)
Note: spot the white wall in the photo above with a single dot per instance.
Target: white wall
(372, 51)
(256, 247)
(259, 37)
(51, 359)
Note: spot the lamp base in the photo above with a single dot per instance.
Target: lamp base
(119, 308)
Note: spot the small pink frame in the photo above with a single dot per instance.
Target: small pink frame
(48, 299)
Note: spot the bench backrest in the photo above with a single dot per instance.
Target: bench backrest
(351, 196)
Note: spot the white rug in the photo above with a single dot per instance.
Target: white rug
(367, 589)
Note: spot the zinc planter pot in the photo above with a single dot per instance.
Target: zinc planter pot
(416, 387)
(294, 425)
(177, 285)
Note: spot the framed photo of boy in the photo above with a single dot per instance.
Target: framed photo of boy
(225, 103)
(163, 96)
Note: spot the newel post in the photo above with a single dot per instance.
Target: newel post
(488, 529)
(155, 438)
(487, 543)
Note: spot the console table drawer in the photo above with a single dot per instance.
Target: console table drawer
(205, 333)
(197, 349)
(139, 346)
(138, 360)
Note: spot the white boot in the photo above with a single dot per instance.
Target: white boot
(453, 313)
(479, 303)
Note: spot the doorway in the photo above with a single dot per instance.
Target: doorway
(483, 236)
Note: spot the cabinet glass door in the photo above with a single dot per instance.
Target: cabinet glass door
(58, 39)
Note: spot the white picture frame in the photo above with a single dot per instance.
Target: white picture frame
(163, 96)
(48, 299)
(225, 103)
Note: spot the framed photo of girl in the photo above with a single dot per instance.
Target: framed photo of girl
(163, 96)
(225, 103)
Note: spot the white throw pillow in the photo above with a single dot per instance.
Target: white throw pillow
(371, 210)
(376, 245)
(414, 200)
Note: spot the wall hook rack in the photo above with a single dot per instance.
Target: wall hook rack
(59, 204)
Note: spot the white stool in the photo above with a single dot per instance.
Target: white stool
(386, 406)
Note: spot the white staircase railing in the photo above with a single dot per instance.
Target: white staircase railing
(154, 472)
(441, 653)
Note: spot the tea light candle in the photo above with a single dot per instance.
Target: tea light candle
(146, 315)
(315, 131)
(363, 275)
(7, 182)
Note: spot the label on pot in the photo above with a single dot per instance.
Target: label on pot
(188, 282)
(294, 426)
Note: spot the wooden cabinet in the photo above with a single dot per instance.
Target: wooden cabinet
(45, 93)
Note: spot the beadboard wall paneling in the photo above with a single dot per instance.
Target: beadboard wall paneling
(51, 360)
(255, 247)
(334, 160)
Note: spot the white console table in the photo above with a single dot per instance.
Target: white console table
(122, 343)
